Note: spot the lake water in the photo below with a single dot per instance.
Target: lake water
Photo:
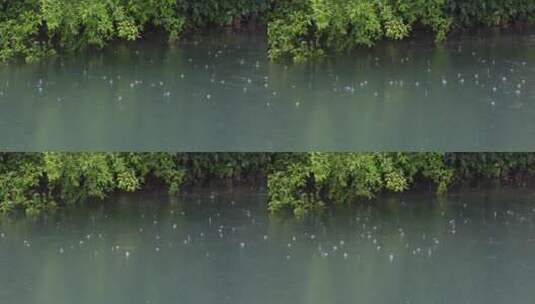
(219, 92)
(215, 246)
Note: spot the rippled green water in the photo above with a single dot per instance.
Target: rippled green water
(212, 246)
(219, 92)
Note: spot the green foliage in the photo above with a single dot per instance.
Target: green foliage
(20, 179)
(308, 28)
(219, 12)
(36, 181)
(298, 29)
(311, 181)
(302, 29)
(345, 177)
(35, 28)
(300, 182)
(20, 27)
(491, 12)
(505, 166)
(290, 32)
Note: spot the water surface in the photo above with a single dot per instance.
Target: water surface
(213, 246)
(219, 92)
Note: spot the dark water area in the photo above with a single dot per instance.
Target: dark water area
(219, 92)
(215, 246)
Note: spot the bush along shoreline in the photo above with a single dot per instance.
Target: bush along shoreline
(300, 182)
(296, 29)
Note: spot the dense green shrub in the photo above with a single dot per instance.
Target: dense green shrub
(38, 181)
(301, 29)
(343, 177)
(298, 29)
(490, 12)
(36, 28)
(307, 28)
(510, 167)
(295, 181)
(20, 181)
(219, 12)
